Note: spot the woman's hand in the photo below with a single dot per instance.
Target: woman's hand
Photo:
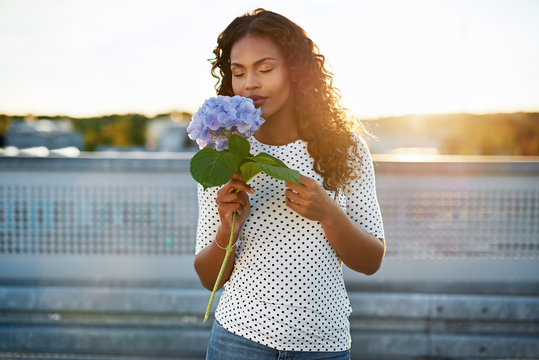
(233, 197)
(358, 249)
(309, 200)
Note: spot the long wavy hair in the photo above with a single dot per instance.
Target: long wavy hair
(330, 132)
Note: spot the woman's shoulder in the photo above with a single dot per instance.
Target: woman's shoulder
(361, 147)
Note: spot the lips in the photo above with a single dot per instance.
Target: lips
(257, 100)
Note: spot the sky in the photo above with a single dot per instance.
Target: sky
(90, 58)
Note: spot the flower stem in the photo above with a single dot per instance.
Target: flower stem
(228, 250)
(217, 135)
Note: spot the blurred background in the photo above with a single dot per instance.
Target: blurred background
(454, 77)
(98, 211)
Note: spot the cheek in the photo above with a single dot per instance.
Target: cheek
(235, 87)
(282, 87)
(284, 84)
(275, 84)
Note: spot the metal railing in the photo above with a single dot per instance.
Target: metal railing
(96, 258)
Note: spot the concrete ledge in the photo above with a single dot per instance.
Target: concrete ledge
(384, 163)
(446, 307)
(94, 299)
(465, 276)
(193, 301)
(166, 162)
(399, 346)
(118, 341)
(168, 322)
(454, 276)
(73, 356)
(156, 341)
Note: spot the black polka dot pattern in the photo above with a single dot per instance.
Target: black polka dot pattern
(287, 290)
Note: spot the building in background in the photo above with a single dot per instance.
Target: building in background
(46, 133)
(169, 134)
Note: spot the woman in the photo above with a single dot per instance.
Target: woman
(284, 293)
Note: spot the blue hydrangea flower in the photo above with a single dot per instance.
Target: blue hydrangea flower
(221, 116)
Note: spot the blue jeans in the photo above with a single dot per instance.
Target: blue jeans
(225, 345)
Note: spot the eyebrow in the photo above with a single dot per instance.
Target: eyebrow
(256, 62)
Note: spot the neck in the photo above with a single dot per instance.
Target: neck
(276, 135)
(279, 129)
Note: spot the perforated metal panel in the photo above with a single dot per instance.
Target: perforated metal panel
(116, 220)
(135, 206)
(481, 224)
(155, 220)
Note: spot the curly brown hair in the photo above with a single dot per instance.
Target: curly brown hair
(331, 134)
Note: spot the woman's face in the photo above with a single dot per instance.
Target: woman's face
(259, 72)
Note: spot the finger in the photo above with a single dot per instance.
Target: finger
(295, 207)
(229, 198)
(237, 176)
(226, 211)
(241, 185)
(296, 198)
(228, 208)
(297, 188)
(307, 181)
(240, 198)
(235, 184)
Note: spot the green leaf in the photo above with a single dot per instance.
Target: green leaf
(210, 167)
(263, 158)
(281, 173)
(238, 146)
(248, 170)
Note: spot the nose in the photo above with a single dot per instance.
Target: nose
(251, 81)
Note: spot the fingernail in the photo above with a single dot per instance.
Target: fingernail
(252, 191)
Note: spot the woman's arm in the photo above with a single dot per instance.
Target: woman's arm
(231, 197)
(358, 249)
(208, 261)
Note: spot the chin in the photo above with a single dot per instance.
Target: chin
(266, 113)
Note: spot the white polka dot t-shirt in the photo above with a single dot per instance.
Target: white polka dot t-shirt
(286, 290)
